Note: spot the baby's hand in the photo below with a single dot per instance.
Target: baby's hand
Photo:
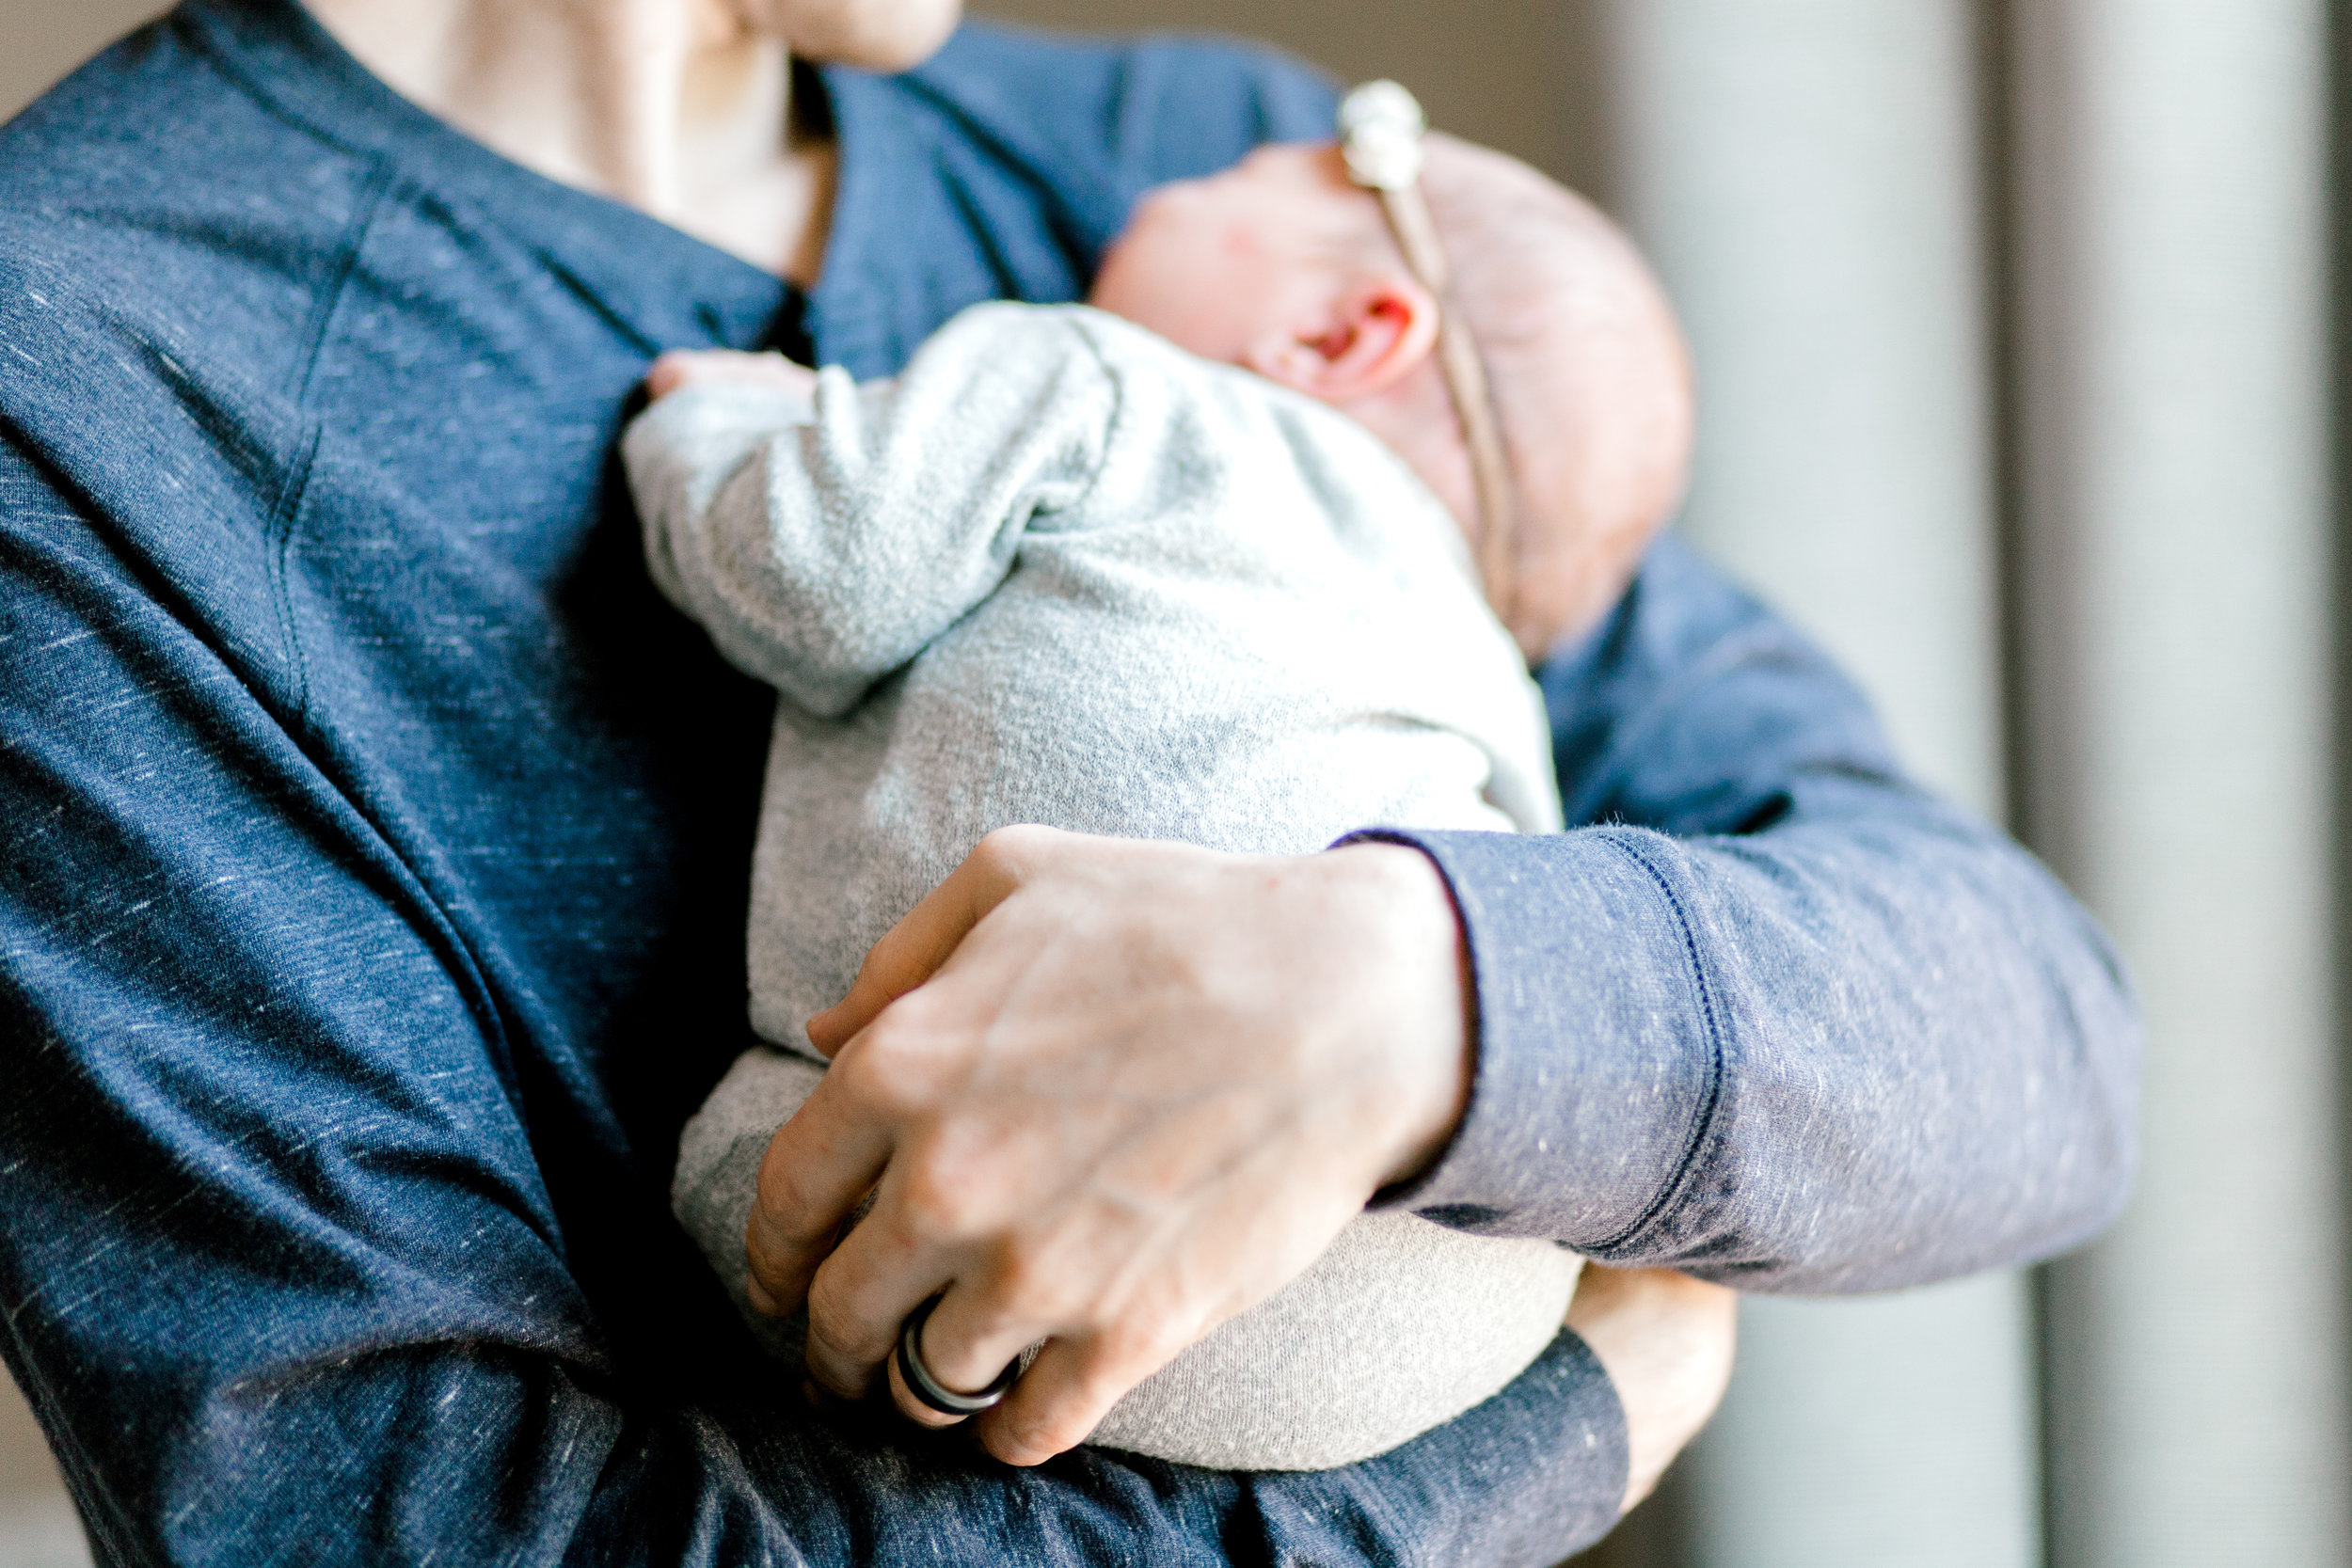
(691, 367)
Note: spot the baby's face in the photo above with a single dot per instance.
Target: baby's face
(1217, 264)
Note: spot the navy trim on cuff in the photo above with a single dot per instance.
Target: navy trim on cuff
(1600, 1049)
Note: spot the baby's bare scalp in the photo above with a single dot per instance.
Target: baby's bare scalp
(1589, 373)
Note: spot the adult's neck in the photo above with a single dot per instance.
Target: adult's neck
(673, 106)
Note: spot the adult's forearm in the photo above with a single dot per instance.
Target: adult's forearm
(1871, 1046)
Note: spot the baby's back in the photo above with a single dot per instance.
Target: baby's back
(1234, 620)
(1400, 1325)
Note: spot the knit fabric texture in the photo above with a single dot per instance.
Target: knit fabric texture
(1061, 571)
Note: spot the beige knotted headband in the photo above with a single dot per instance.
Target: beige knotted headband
(1381, 125)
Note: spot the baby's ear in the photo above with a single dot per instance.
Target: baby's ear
(1373, 335)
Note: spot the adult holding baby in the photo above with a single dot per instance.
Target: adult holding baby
(373, 908)
(1175, 566)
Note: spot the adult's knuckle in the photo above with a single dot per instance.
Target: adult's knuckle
(1019, 1269)
(1029, 1437)
(877, 968)
(769, 1259)
(1127, 1349)
(1028, 1282)
(999, 843)
(937, 1204)
(878, 1073)
(839, 1319)
(790, 1213)
(1008, 851)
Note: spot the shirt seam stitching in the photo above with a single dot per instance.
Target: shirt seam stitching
(282, 524)
(374, 190)
(1703, 1121)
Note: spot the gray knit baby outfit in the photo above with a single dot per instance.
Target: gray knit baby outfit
(1061, 572)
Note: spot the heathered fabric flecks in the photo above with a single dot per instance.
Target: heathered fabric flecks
(373, 841)
(1058, 571)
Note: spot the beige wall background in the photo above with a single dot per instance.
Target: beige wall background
(42, 39)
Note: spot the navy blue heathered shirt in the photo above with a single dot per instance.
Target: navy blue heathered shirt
(373, 848)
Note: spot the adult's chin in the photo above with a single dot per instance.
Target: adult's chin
(875, 35)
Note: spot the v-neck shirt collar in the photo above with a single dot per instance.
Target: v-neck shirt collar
(666, 286)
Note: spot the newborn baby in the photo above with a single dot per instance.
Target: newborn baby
(1188, 563)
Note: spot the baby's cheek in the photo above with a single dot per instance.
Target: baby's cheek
(1241, 247)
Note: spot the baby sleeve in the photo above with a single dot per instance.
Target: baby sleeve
(824, 544)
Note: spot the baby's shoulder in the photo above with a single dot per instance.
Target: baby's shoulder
(1234, 451)
(1010, 337)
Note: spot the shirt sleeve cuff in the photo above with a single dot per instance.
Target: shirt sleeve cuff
(1599, 1052)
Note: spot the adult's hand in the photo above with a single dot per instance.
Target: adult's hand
(1108, 1094)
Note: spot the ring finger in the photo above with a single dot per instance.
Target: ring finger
(860, 1297)
(939, 1405)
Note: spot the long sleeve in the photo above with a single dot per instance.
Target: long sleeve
(1775, 1016)
(823, 548)
(284, 1261)
(373, 837)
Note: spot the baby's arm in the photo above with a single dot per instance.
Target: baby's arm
(823, 538)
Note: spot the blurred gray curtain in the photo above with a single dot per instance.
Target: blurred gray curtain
(2017, 317)
(2170, 178)
(1805, 174)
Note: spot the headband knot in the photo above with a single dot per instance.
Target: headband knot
(1380, 130)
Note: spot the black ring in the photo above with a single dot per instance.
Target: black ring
(928, 1390)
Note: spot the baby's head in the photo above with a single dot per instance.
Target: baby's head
(1283, 266)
